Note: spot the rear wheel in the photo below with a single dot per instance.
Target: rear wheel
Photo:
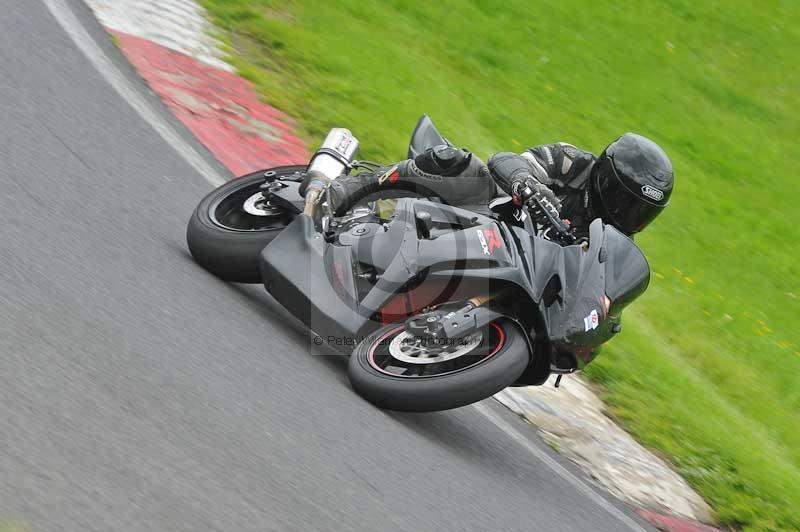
(398, 371)
(233, 223)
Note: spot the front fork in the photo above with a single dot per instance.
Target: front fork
(452, 324)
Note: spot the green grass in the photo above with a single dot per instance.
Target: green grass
(707, 370)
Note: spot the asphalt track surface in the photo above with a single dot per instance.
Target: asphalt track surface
(137, 392)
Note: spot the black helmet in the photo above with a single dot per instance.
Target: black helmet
(631, 183)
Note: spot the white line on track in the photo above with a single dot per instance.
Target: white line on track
(86, 44)
(557, 468)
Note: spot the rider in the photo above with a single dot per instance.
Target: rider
(627, 186)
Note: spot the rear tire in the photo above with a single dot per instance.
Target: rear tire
(224, 238)
(506, 360)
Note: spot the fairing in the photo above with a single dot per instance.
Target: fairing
(627, 271)
(578, 322)
(315, 280)
(458, 255)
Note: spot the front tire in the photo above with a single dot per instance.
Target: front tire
(225, 237)
(478, 373)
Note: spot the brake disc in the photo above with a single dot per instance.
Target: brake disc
(258, 205)
(417, 350)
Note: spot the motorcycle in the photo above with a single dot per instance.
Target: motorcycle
(439, 305)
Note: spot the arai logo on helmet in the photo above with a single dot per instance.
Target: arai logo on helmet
(652, 193)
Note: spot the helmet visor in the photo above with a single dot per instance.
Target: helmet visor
(628, 210)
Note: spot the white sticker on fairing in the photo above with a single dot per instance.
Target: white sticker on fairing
(652, 193)
(591, 321)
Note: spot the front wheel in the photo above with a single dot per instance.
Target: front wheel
(233, 223)
(397, 371)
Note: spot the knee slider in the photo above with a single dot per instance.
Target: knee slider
(443, 160)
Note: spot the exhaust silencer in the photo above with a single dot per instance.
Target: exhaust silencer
(333, 158)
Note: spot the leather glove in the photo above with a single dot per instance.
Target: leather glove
(525, 187)
(546, 207)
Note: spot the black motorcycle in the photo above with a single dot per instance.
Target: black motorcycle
(439, 305)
